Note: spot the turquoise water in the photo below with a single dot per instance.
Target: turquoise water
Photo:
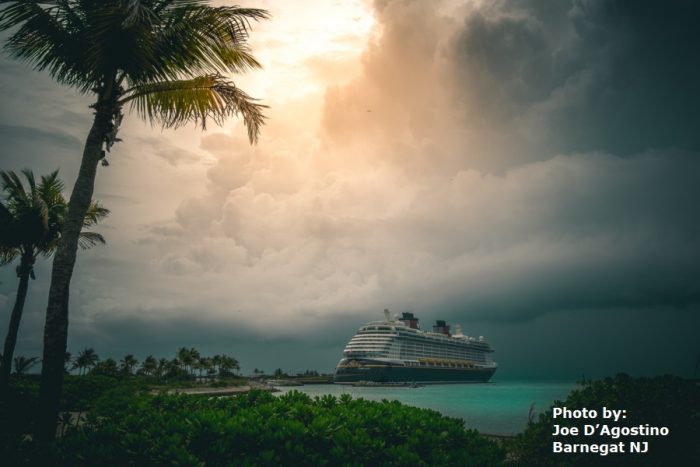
(495, 408)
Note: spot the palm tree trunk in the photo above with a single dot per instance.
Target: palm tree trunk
(25, 268)
(56, 326)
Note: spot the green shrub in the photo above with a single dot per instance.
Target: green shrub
(17, 413)
(79, 393)
(660, 401)
(260, 429)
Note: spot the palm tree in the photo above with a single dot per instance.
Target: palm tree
(31, 219)
(86, 359)
(24, 364)
(206, 365)
(228, 364)
(106, 367)
(128, 363)
(66, 360)
(164, 59)
(216, 362)
(162, 368)
(194, 358)
(186, 358)
(149, 365)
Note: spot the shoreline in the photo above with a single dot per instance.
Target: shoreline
(223, 391)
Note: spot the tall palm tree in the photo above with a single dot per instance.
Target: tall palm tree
(164, 59)
(31, 218)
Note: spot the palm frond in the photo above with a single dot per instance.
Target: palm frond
(31, 218)
(14, 189)
(38, 210)
(8, 254)
(10, 239)
(95, 213)
(192, 39)
(88, 239)
(174, 103)
(137, 11)
(144, 43)
(6, 221)
(51, 191)
(29, 175)
(49, 38)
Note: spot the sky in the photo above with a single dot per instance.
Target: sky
(527, 169)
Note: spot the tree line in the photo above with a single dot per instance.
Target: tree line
(187, 363)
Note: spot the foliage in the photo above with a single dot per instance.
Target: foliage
(127, 425)
(229, 381)
(107, 367)
(24, 364)
(87, 358)
(80, 393)
(127, 364)
(31, 218)
(166, 59)
(260, 429)
(659, 401)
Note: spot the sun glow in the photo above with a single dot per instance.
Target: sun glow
(307, 46)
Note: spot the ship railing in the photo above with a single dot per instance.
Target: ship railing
(448, 362)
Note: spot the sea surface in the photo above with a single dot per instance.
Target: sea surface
(499, 408)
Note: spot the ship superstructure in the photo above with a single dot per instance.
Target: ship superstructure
(397, 350)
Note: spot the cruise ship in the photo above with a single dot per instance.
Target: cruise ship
(397, 350)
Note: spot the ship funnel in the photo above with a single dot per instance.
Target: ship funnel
(387, 316)
(441, 327)
(458, 329)
(410, 320)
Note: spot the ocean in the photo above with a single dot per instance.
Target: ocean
(498, 407)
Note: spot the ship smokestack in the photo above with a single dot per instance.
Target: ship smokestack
(387, 316)
(441, 327)
(410, 320)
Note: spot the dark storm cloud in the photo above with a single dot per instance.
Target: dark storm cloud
(589, 75)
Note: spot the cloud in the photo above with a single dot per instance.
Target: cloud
(579, 231)
(388, 196)
(586, 76)
(514, 166)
